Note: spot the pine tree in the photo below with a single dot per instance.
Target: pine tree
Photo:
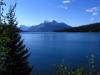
(2, 18)
(3, 50)
(17, 63)
(3, 41)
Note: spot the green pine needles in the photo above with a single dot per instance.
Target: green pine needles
(13, 54)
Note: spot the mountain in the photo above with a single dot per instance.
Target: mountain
(46, 26)
(95, 27)
(24, 28)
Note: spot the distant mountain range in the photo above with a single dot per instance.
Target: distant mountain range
(46, 26)
(55, 26)
(95, 27)
(24, 28)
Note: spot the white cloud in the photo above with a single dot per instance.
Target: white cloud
(64, 7)
(94, 10)
(95, 13)
(66, 2)
(92, 19)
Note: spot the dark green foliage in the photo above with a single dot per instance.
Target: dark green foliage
(13, 54)
(2, 19)
(4, 40)
(62, 70)
(17, 63)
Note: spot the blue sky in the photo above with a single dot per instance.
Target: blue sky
(72, 12)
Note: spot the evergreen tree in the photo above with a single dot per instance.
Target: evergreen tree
(17, 63)
(2, 18)
(3, 50)
(3, 41)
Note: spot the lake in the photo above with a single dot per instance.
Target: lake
(49, 49)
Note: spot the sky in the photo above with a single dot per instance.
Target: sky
(72, 12)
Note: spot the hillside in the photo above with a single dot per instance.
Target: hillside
(95, 27)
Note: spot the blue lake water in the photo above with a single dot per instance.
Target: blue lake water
(50, 48)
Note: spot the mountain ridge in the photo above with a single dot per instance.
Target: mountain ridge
(55, 26)
(94, 27)
(46, 26)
